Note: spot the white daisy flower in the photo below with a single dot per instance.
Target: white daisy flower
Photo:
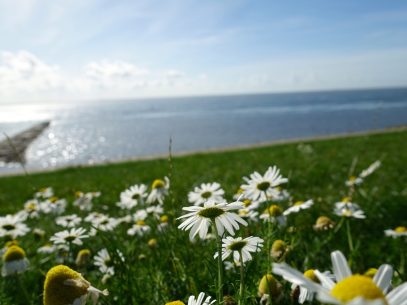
(44, 193)
(47, 249)
(249, 214)
(73, 236)
(368, 171)
(156, 211)
(68, 221)
(397, 232)
(345, 208)
(12, 226)
(299, 205)
(95, 217)
(353, 180)
(133, 196)
(84, 200)
(200, 300)
(304, 293)
(139, 228)
(274, 214)
(105, 223)
(350, 289)
(140, 215)
(239, 246)
(263, 188)
(200, 218)
(207, 191)
(53, 205)
(104, 262)
(32, 208)
(65, 286)
(159, 191)
(14, 261)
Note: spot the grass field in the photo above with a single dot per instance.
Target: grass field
(174, 268)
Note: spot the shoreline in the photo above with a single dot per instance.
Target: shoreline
(215, 150)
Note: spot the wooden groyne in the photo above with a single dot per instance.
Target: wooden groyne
(12, 149)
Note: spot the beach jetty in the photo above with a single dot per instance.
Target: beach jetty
(12, 148)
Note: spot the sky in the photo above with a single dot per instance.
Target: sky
(101, 49)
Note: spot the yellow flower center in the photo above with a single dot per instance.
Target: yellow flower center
(346, 199)
(206, 195)
(247, 202)
(175, 303)
(211, 212)
(268, 285)
(140, 223)
(357, 286)
(352, 178)
(164, 218)
(263, 186)
(31, 206)
(370, 272)
(158, 184)
(278, 246)
(310, 274)
(13, 253)
(298, 203)
(53, 199)
(275, 211)
(237, 245)
(323, 221)
(400, 229)
(63, 285)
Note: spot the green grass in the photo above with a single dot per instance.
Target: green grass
(177, 267)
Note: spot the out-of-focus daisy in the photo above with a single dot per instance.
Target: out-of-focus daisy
(397, 232)
(323, 223)
(133, 196)
(304, 294)
(73, 236)
(104, 262)
(47, 249)
(32, 208)
(372, 167)
(205, 192)
(274, 214)
(159, 190)
(44, 193)
(269, 286)
(139, 228)
(68, 221)
(163, 223)
(200, 218)
(263, 188)
(200, 300)
(11, 226)
(104, 223)
(95, 217)
(350, 289)
(249, 214)
(65, 286)
(239, 246)
(140, 215)
(346, 208)
(279, 249)
(82, 258)
(14, 261)
(84, 200)
(299, 205)
(353, 180)
(156, 211)
(53, 205)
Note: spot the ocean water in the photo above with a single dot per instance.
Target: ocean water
(87, 133)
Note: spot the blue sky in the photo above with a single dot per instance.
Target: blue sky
(65, 50)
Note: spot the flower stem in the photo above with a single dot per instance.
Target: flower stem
(220, 266)
(241, 292)
(348, 232)
(22, 288)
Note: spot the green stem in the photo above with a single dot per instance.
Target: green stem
(22, 288)
(220, 265)
(241, 292)
(348, 232)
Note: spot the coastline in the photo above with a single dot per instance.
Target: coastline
(217, 150)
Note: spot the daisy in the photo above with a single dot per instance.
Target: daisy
(84, 200)
(346, 208)
(274, 214)
(140, 215)
(159, 191)
(279, 249)
(200, 300)
(105, 223)
(368, 171)
(53, 205)
(199, 218)
(239, 246)
(353, 180)
(249, 214)
(397, 232)
(73, 236)
(14, 261)
(44, 193)
(65, 286)
(350, 289)
(32, 208)
(207, 191)
(12, 226)
(104, 262)
(47, 249)
(299, 205)
(68, 221)
(263, 188)
(323, 223)
(135, 195)
(139, 228)
(82, 258)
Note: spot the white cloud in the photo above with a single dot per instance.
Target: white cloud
(112, 70)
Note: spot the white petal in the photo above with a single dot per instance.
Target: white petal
(325, 281)
(398, 295)
(340, 266)
(383, 277)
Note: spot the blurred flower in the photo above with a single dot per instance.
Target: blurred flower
(84, 200)
(349, 289)
(299, 205)
(239, 246)
(12, 226)
(200, 300)
(133, 196)
(53, 205)
(47, 249)
(200, 218)
(323, 223)
(263, 188)
(104, 262)
(159, 191)
(353, 181)
(32, 208)
(83, 258)
(274, 214)
(44, 193)
(346, 208)
(139, 228)
(73, 236)
(14, 261)
(397, 232)
(279, 249)
(269, 286)
(372, 167)
(65, 286)
(207, 191)
(68, 221)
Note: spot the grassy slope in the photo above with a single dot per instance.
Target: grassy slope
(319, 175)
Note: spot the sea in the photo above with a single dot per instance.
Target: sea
(103, 131)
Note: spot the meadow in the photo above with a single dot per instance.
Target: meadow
(136, 251)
